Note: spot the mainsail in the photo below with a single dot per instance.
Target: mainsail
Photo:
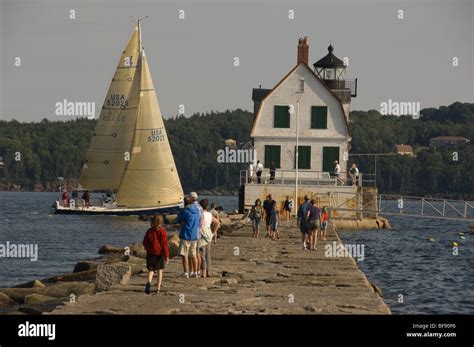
(150, 177)
(113, 134)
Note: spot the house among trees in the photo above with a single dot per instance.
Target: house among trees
(404, 150)
(448, 141)
(311, 101)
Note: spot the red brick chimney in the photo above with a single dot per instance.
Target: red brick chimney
(303, 50)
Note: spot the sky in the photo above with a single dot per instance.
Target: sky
(192, 59)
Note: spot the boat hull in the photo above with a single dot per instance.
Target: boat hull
(98, 210)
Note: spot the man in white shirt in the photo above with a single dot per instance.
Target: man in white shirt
(250, 176)
(337, 172)
(259, 171)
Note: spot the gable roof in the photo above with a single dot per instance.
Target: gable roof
(283, 80)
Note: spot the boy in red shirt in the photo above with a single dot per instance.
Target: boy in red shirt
(157, 253)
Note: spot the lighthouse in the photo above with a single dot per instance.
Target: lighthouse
(332, 71)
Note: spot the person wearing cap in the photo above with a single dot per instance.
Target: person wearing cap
(194, 198)
(189, 219)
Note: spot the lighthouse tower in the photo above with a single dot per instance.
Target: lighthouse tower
(332, 71)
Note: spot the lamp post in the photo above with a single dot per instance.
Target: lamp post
(297, 151)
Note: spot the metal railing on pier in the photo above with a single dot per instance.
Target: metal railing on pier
(306, 177)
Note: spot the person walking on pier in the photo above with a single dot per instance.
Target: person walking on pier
(157, 252)
(190, 221)
(275, 221)
(272, 168)
(267, 207)
(303, 223)
(256, 217)
(288, 206)
(313, 217)
(324, 222)
(259, 171)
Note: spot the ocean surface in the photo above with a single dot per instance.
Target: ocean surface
(400, 261)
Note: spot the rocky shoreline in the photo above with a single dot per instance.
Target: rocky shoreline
(114, 266)
(248, 276)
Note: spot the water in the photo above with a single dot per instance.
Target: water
(62, 239)
(401, 260)
(404, 261)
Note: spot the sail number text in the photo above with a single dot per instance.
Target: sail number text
(156, 135)
(118, 100)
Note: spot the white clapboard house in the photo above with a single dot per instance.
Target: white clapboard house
(312, 102)
(307, 109)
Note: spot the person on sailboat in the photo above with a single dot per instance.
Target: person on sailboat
(190, 221)
(86, 196)
(65, 198)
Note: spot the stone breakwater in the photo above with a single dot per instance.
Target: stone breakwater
(248, 276)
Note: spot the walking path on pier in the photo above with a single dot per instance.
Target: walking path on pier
(258, 277)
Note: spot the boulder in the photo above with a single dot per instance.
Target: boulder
(107, 249)
(5, 300)
(35, 299)
(83, 276)
(171, 218)
(85, 265)
(137, 250)
(31, 284)
(112, 274)
(173, 245)
(57, 290)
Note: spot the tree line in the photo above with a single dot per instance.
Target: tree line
(50, 149)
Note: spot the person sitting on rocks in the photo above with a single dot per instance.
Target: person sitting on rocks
(157, 252)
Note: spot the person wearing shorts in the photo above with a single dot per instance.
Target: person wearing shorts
(189, 218)
(313, 218)
(303, 222)
(267, 207)
(155, 243)
(324, 222)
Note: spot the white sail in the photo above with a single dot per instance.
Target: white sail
(111, 142)
(150, 178)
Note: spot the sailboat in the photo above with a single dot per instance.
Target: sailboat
(129, 155)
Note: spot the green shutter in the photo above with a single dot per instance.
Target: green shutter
(319, 117)
(329, 155)
(304, 157)
(281, 117)
(272, 153)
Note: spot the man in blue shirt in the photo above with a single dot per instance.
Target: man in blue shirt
(302, 221)
(190, 220)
